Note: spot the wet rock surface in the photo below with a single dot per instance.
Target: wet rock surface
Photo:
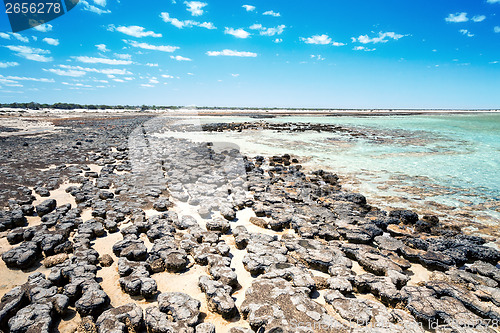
(273, 247)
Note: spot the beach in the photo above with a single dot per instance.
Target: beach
(204, 220)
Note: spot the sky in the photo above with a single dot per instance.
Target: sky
(260, 53)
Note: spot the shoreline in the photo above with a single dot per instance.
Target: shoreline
(268, 224)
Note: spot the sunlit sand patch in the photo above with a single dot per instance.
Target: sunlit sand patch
(10, 278)
(420, 274)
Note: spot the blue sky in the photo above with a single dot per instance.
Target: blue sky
(331, 54)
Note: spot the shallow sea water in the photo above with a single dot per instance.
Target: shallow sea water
(433, 163)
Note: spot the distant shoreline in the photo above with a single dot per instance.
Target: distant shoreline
(255, 113)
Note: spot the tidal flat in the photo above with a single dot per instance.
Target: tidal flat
(163, 222)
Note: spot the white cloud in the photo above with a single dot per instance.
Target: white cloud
(16, 36)
(382, 38)
(180, 58)
(317, 39)
(8, 64)
(249, 8)
(195, 7)
(277, 40)
(231, 53)
(338, 44)
(167, 76)
(362, 48)
(93, 60)
(149, 64)
(185, 24)
(317, 57)
(271, 13)
(239, 33)
(101, 3)
(146, 46)
(134, 31)
(457, 18)
(123, 56)
(51, 41)
(93, 9)
(71, 72)
(43, 27)
(493, 1)
(207, 25)
(466, 33)
(147, 85)
(108, 71)
(479, 18)
(102, 47)
(496, 29)
(20, 37)
(23, 78)
(235, 75)
(268, 31)
(30, 53)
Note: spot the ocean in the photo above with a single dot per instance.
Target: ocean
(447, 164)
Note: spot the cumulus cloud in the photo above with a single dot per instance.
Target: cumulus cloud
(249, 8)
(320, 40)
(466, 33)
(102, 47)
(20, 37)
(268, 31)
(149, 64)
(51, 41)
(107, 61)
(496, 29)
(30, 53)
(231, 53)
(8, 64)
(93, 9)
(195, 7)
(271, 13)
(134, 31)
(362, 48)
(61, 72)
(479, 18)
(186, 23)
(15, 35)
(146, 46)
(383, 37)
(457, 18)
(43, 27)
(180, 58)
(239, 33)
(277, 40)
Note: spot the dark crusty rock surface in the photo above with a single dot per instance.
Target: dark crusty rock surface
(158, 234)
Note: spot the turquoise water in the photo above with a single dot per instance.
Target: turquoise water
(410, 161)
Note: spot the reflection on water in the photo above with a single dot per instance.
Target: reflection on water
(440, 163)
